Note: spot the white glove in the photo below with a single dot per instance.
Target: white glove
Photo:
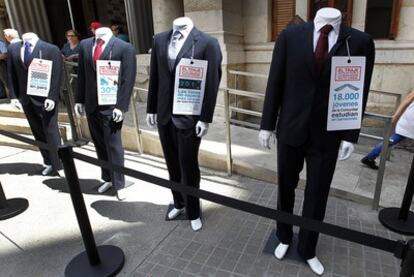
(117, 115)
(264, 138)
(16, 104)
(201, 129)
(79, 109)
(346, 150)
(152, 120)
(49, 105)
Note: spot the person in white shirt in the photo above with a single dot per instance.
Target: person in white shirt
(404, 117)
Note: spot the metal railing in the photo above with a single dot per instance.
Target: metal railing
(255, 96)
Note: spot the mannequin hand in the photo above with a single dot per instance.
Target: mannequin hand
(346, 150)
(49, 105)
(16, 104)
(117, 115)
(152, 120)
(201, 129)
(79, 109)
(264, 138)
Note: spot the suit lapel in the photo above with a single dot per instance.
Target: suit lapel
(108, 49)
(36, 51)
(188, 44)
(164, 47)
(310, 56)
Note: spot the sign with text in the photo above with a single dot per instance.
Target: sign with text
(39, 78)
(107, 78)
(346, 93)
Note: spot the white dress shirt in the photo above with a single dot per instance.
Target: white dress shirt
(106, 39)
(172, 53)
(333, 35)
(33, 42)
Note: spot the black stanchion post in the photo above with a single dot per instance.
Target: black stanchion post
(105, 260)
(12, 207)
(401, 220)
(407, 268)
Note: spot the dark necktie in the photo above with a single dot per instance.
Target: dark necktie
(27, 53)
(98, 49)
(321, 51)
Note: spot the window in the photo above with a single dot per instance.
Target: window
(345, 6)
(382, 18)
(283, 11)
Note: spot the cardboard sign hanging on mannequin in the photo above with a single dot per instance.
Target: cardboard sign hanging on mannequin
(39, 77)
(107, 78)
(190, 82)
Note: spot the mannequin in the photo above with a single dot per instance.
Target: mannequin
(180, 134)
(40, 111)
(302, 128)
(105, 120)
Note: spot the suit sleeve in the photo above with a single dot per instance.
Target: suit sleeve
(80, 95)
(153, 82)
(275, 85)
(214, 57)
(128, 74)
(11, 77)
(57, 73)
(353, 135)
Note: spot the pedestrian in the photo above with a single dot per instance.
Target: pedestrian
(118, 31)
(70, 50)
(404, 117)
(11, 35)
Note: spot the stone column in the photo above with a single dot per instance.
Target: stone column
(164, 12)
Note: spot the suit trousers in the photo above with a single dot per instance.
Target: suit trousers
(45, 128)
(106, 135)
(180, 147)
(320, 167)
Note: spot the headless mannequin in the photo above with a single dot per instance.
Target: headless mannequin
(106, 34)
(32, 38)
(324, 16)
(184, 25)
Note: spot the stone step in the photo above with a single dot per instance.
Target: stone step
(21, 126)
(6, 141)
(6, 110)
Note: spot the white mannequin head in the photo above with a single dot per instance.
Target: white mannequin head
(183, 23)
(328, 15)
(103, 32)
(30, 37)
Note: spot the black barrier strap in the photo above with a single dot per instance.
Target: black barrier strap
(306, 223)
(397, 247)
(39, 144)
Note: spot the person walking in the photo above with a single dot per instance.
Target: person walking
(404, 117)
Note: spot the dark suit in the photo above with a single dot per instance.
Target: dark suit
(106, 134)
(177, 132)
(298, 95)
(43, 124)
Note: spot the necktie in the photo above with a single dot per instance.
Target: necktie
(27, 52)
(98, 49)
(176, 37)
(321, 51)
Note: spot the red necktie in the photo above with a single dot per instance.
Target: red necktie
(98, 49)
(321, 51)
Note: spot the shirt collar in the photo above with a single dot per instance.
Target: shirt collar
(319, 23)
(105, 38)
(15, 40)
(185, 32)
(33, 42)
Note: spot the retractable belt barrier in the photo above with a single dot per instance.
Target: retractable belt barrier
(400, 249)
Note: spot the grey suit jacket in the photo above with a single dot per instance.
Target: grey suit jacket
(162, 77)
(116, 50)
(17, 72)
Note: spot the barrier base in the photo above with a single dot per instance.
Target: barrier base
(389, 218)
(13, 207)
(112, 260)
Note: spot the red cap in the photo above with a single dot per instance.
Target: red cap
(95, 25)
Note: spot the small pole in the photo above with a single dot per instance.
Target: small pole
(408, 196)
(228, 131)
(407, 267)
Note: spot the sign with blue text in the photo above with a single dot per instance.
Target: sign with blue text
(346, 93)
(107, 78)
(39, 77)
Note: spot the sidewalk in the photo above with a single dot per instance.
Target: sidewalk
(350, 175)
(42, 240)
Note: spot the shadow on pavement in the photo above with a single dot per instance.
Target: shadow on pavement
(88, 186)
(130, 211)
(21, 168)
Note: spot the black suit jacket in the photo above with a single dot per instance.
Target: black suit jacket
(17, 72)
(162, 78)
(298, 94)
(116, 50)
